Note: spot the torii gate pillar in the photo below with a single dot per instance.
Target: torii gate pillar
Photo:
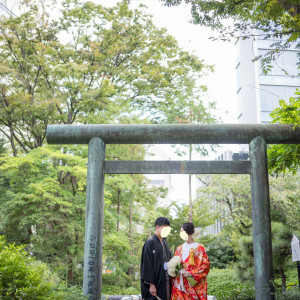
(261, 220)
(92, 269)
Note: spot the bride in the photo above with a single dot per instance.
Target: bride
(190, 283)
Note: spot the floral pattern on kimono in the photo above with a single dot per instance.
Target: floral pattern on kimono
(199, 271)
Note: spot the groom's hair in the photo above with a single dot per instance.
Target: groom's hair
(161, 221)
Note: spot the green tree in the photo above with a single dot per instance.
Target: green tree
(25, 278)
(133, 206)
(43, 204)
(284, 158)
(282, 16)
(91, 64)
(88, 65)
(219, 250)
(276, 20)
(230, 197)
(232, 193)
(281, 246)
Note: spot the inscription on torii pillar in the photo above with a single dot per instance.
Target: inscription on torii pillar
(97, 136)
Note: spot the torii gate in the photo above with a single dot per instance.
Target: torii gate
(97, 136)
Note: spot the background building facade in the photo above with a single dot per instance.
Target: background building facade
(258, 93)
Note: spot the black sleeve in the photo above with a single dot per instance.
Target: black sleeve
(147, 270)
(169, 254)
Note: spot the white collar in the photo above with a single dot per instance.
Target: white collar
(192, 245)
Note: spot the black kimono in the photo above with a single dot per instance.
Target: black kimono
(152, 268)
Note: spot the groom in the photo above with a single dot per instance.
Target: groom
(156, 253)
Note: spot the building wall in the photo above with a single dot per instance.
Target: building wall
(258, 93)
(247, 82)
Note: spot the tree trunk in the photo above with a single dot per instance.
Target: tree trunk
(190, 190)
(283, 278)
(130, 239)
(118, 209)
(12, 141)
(70, 269)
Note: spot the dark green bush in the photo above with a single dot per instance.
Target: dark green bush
(70, 292)
(220, 252)
(290, 294)
(224, 284)
(23, 278)
(121, 280)
(116, 290)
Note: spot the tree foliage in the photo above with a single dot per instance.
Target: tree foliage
(281, 247)
(89, 64)
(25, 278)
(43, 203)
(284, 158)
(282, 16)
(80, 62)
(231, 196)
(277, 21)
(219, 250)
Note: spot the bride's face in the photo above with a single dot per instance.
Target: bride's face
(183, 234)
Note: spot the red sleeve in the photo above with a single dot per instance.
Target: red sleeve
(201, 269)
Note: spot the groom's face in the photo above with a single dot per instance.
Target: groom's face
(162, 231)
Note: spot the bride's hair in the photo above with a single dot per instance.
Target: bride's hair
(188, 227)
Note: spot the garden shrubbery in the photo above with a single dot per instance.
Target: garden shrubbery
(22, 277)
(119, 284)
(220, 252)
(122, 280)
(224, 284)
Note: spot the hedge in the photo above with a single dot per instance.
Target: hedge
(24, 278)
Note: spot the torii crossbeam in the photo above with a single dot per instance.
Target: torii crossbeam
(97, 136)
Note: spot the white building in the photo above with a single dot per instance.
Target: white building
(258, 93)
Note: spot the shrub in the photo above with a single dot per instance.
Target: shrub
(23, 278)
(290, 294)
(121, 280)
(226, 286)
(220, 252)
(70, 292)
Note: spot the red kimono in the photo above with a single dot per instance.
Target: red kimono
(199, 271)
